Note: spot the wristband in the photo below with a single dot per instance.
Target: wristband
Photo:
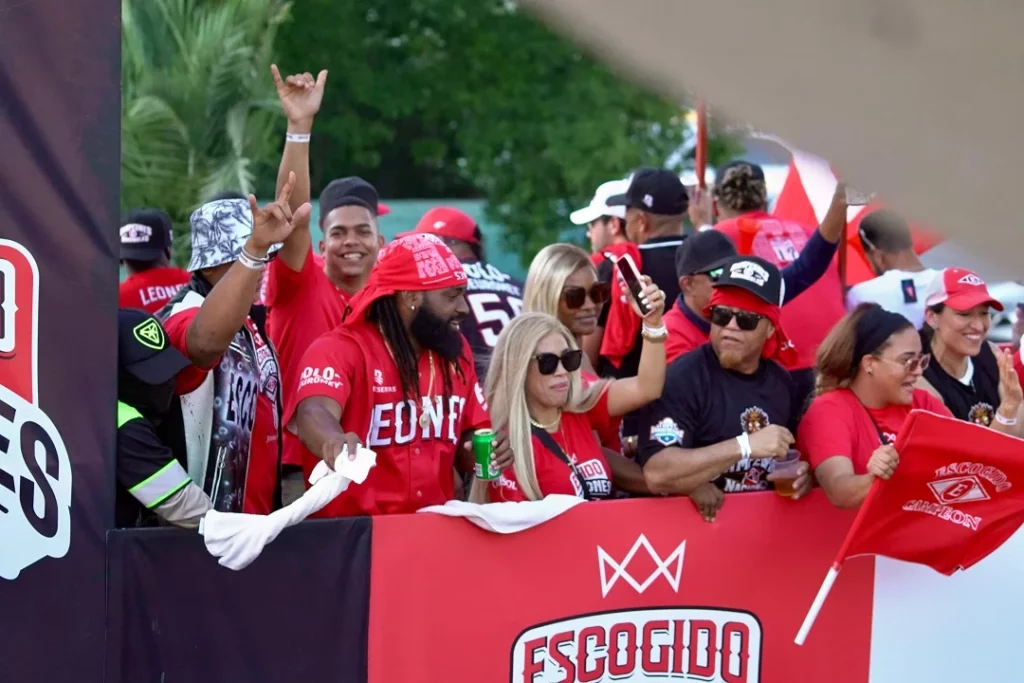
(1005, 421)
(297, 137)
(250, 261)
(744, 441)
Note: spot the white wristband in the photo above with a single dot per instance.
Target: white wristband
(744, 441)
(1006, 422)
(297, 137)
(249, 262)
(655, 331)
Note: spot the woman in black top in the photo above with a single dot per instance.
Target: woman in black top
(975, 380)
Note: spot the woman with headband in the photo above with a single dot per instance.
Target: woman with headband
(868, 367)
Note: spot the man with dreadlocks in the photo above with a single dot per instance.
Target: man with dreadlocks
(397, 376)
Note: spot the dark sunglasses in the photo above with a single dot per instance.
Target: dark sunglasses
(575, 297)
(547, 363)
(713, 274)
(746, 321)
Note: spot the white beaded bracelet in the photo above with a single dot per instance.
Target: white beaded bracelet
(297, 137)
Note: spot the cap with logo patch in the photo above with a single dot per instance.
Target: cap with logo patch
(755, 275)
(599, 204)
(445, 221)
(143, 350)
(654, 190)
(145, 235)
(960, 289)
(704, 252)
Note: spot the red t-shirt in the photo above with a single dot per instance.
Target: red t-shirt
(808, 318)
(836, 423)
(414, 466)
(261, 474)
(302, 306)
(576, 438)
(606, 426)
(683, 334)
(151, 289)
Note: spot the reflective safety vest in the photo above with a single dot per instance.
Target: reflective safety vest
(164, 482)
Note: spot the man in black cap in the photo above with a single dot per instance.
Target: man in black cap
(152, 483)
(307, 291)
(728, 408)
(146, 256)
(699, 263)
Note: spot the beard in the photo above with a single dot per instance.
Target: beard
(435, 333)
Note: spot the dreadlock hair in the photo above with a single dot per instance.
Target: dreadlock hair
(384, 313)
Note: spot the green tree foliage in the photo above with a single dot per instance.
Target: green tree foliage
(199, 109)
(466, 98)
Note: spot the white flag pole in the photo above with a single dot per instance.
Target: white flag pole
(819, 600)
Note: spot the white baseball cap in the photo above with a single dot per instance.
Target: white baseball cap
(599, 204)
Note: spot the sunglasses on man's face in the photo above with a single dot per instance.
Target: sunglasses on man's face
(713, 274)
(746, 321)
(575, 297)
(547, 363)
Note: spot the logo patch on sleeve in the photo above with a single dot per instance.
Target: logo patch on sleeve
(667, 432)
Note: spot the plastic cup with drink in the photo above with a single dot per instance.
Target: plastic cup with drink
(784, 473)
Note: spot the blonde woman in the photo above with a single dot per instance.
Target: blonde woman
(536, 395)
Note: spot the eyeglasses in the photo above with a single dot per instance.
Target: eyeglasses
(910, 365)
(713, 274)
(571, 359)
(745, 320)
(575, 297)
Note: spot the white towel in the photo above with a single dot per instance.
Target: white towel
(508, 518)
(238, 538)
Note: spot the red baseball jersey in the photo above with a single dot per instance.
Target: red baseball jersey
(683, 333)
(606, 426)
(576, 437)
(837, 424)
(415, 462)
(303, 306)
(151, 289)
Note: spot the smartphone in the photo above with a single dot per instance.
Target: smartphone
(631, 274)
(857, 198)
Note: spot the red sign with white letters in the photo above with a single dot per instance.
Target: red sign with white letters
(625, 590)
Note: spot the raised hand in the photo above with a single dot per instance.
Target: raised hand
(1010, 393)
(274, 222)
(300, 95)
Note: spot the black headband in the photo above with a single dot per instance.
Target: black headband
(873, 329)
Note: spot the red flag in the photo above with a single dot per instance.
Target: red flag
(623, 324)
(956, 496)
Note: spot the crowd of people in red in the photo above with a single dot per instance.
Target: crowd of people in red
(738, 351)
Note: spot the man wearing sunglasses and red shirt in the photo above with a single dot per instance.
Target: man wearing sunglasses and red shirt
(728, 408)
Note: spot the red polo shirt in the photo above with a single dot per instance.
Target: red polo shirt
(575, 436)
(151, 289)
(352, 365)
(303, 306)
(686, 330)
(836, 423)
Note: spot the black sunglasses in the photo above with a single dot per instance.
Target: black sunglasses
(713, 274)
(575, 297)
(547, 363)
(746, 321)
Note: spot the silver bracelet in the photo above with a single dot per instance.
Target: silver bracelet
(250, 261)
(1005, 421)
(297, 137)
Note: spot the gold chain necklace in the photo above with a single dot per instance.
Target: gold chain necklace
(424, 417)
(548, 427)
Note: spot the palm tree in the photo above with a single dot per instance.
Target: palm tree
(199, 104)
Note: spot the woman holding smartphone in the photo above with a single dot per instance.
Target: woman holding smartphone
(536, 394)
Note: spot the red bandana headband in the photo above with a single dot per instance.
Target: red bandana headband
(778, 346)
(414, 262)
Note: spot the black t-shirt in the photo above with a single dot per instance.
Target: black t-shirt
(145, 464)
(704, 404)
(494, 298)
(976, 402)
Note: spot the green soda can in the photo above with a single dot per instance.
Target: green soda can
(483, 447)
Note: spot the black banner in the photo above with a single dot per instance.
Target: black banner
(59, 175)
(300, 612)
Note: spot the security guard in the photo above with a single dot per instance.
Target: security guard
(151, 482)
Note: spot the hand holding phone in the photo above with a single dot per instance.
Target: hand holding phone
(636, 284)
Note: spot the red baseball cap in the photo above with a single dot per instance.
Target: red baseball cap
(959, 289)
(445, 221)
(383, 209)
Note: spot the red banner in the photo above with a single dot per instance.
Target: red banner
(646, 588)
